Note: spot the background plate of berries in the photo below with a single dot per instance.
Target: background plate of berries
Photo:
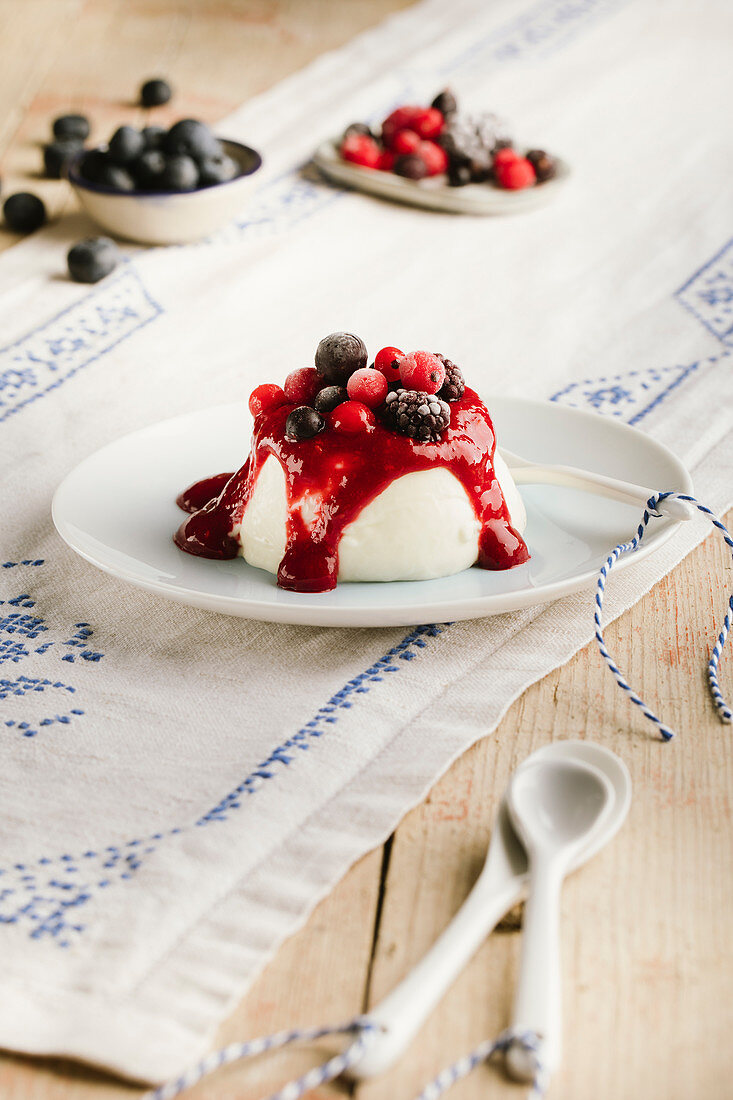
(119, 509)
(443, 159)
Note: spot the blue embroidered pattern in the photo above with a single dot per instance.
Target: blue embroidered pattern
(49, 355)
(629, 396)
(708, 294)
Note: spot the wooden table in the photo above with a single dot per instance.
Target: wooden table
(647, 942)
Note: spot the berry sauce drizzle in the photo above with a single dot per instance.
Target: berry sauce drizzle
(344, 472)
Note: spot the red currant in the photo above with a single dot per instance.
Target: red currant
(515, 175)
(386, 160)
(302, 385)
(265, 397)
(387, 360)
(428, 123)
(368, 386)
(405, 141)
(434, 156)
(401, 119)
(422, 371)
(352, 417)
(360, 149)
(505, 156)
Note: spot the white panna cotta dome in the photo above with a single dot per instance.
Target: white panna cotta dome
(421, 526)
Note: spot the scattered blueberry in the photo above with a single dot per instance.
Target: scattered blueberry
(191, 138)
(329, 398)
(93, 258)
(126, 145)
(180, 174)
(57, 154)
(148, 169)
(303, 423)
(154, 93)
(339, 355)
(24, 213)
(71, 126)
(153, 136)
(219, 169)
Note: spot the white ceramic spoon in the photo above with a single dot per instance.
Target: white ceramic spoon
(526, 472)
(501, 885)
(556, 807)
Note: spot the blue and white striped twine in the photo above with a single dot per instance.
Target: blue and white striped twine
(652, 512)
(360, 1026)
(363, 1028)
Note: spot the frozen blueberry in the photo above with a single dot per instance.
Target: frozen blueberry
(154, 93)
(191, 138)
(71, 126)
(303, 423)
(411, 166)
(180, 174)
(114, 176)
(93, 258)
(217, 170)
(329, 398)
(56, 156)
(126, 145)
(93, 164)
(445, 102)
(339, 355)
(24, 212)
(153, 136)
(358, 128)
(148, 169)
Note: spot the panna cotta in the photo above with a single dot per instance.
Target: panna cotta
(360, 473)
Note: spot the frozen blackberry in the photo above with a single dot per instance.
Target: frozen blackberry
(329, 398)
(126, 145)
(56, 156)
(154, 93)
(24, 213)
(543, 164)
(454, 385)
(339, 355)
(422, 416)
(74, 127)
(93, 258)
(469, 140)
(445, 102)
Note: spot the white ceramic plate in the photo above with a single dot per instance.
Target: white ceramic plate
(435, 194)
(117, 509)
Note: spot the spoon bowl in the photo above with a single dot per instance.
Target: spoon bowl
(555, 805)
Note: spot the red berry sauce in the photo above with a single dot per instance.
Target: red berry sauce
(342, 470)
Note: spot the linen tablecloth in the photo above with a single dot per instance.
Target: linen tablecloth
(180, 788)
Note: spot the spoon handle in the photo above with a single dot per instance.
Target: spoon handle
(537, 1004)
(402, 1012)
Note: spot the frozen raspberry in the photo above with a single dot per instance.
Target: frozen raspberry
(360, 149)
(428, 123)
(401, 119)
(302, 385)
(435, 158)
(339, 355)
(386, 160)
(422, 371)
(387, 360)
(303, 423)
(265, 397)
(454, 386)
(352, 417)
(405, 141)
(505, 156)
(368, 386)
(515, 175)
(422, 416)
(411, 166)
(543, 164)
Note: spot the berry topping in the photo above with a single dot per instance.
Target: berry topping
(405, 141)
(71, 127)
(453, 387)
(302, 385)
(411, 166)
(303, 423)
(422, 416)
(428, 123)
(352, 417)
(368, 386)
(126, 144)
(339, 355)
(422, 371)
(434, 156)
(543, 164)
(154, 93)
(361, 149)
(329, 398)
(515, 175)
(57, 155)
(24, 213)
(445, 102)
(265, 397)
(91, 259)
(387, 360)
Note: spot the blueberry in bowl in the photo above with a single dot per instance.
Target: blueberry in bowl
(160, 186)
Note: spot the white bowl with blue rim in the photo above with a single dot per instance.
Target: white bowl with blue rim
(168, 217)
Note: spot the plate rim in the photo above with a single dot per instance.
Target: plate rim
(315, 613)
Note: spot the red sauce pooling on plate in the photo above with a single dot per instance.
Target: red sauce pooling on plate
(342, 473)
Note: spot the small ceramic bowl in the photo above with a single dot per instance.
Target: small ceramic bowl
(168, 217)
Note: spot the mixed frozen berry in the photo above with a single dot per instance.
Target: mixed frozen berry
(422, 142)
(407, 393)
